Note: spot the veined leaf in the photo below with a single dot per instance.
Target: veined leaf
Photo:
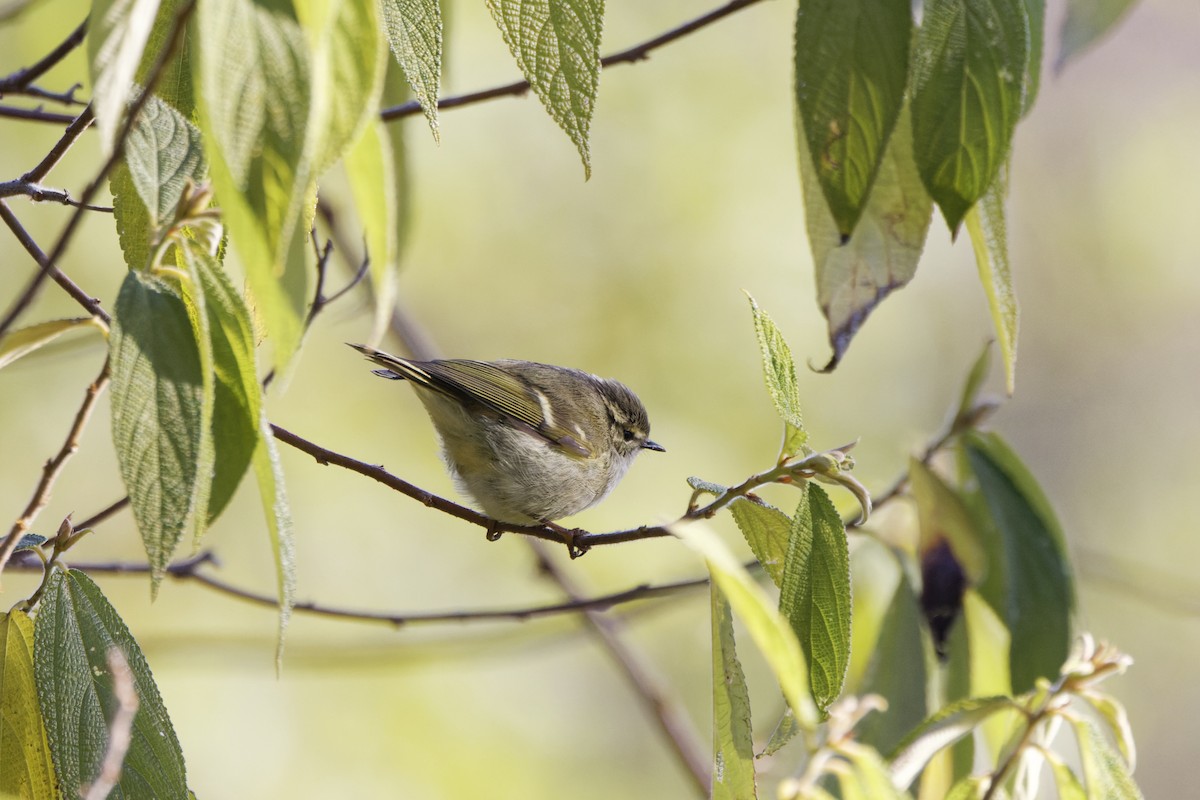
(1088, 21)
(968, 88)
(770, 631)
(854, 277)
(117, 34)
(158, 414)
(733, 737)
(779, 370)
(556, 43)
(989, 238)
(766, 529)
(347, 55)
(76, 626)
(163, 152)
(237, 399)
(414, 31)
(784, 732)
(253, 74)
(269, 472)
(24, 341)
(815, 592)
(941, 730)
(371, 172)
(851, 61)
(1113, 713)
(26, 769)
(1029, 581)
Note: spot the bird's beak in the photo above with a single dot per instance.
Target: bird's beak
(649, 445)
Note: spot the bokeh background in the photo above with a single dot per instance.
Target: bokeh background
(638, 274)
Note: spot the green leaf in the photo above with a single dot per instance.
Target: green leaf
(779, 370)
(974, 382)
(766, 529)
(26, 769)
(1029, 579)
(1104, 772)
(701, 485)
(733, 736)
(371, 172)
(943, 515)
(134, 230)
(815, 592)
(237, 397)
(175, 82)
(897, 672)
(29, 541)
(989, 238)
(269, 472)
(556, 43)
(973, 787)
(253, 76)
(1087, 22)
(870, 770)
(76, 626)
(941, 730)
(117, 34)
(851, 60)
(163, 152)
(1113, 713)
(158, 414)
(24, 341)
(1065, 781)
(881, 256)
(766, 626)
(348, 55)
(414, 32)
(968, 79)
(1036, 11)
(784, 732)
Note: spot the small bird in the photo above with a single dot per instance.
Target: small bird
(531, 443)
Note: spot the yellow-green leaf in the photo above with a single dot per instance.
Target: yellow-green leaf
(255, 87)
(767, 627)
(989, 238)
(766, 529)
(23, 341)
(117, 34)
(733, 736)
(26, 769)
(556, 43)
(163, 153)
(779, 370)
(853, 277)
(271, 489)
(371, 172)
(1105, 774)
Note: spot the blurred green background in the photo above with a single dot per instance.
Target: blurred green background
(637, 274)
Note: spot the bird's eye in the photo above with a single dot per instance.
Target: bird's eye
(630, 435)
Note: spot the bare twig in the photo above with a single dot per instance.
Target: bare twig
(50, 473)
(120, 727)
(650, 689)
(638, 52)
(102, 515)
(42, 194)
(23, 78)
(189, 571)
(73, 132)
(36, 115)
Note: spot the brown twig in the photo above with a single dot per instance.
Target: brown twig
(36, 115)
(72, 133)
(24, 78)
(638, 52)
(50, 473)
(103, 514)
(650, 689)
(41, 194)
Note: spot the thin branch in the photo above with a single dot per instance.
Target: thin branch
(36, 115)
(650, 689)
(47, 268)
(41, 194)
(102, 515)
(638, 52)
(50, 473)
(23, 78)
(189, 571)
(73, 132)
